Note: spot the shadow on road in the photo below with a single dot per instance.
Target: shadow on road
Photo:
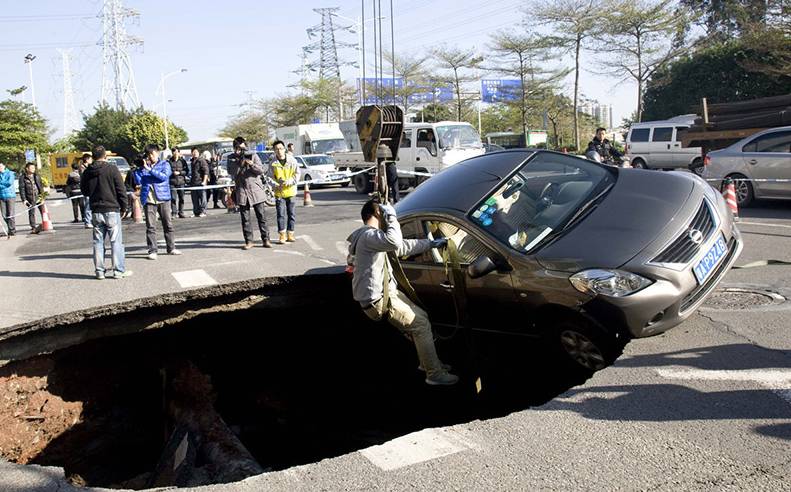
(736, 356)
(767, 209)
(67, 276)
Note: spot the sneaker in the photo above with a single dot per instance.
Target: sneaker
(76, 221)
(291, 237)
(174, 252)
(88, 226)
(182, 215)
(128, 273)
(446, 367)
(202, 215)
(11, 233)
(152, 256)
(442, 379)
(99, 275)
(247, 246)
(267, 243)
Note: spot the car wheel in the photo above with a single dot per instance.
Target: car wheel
(362, 183)
(639, 164)
(588, 347)
(697, 166)
(744, 190)
(269, 199)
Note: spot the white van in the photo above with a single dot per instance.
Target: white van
(657, 145)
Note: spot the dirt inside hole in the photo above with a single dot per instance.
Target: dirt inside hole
(226, 395)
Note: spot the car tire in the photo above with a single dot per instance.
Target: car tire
(697, 166)
(362, 183)
(639, 164)
(587, 347)
(744, 190)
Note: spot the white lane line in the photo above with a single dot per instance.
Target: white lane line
(765, 224)
(342, 248)
(424, 445)
(286, 252)
(310, 242)
(776, 380)
(193, 278)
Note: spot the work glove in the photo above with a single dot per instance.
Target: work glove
(439, 243)
(387, 209)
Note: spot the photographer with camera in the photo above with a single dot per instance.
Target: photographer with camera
(200, 177)
(154, 180)
(375, 288)
(249, 192)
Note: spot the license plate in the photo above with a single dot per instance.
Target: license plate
(709, 262)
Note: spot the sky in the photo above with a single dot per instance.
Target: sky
(236, 50)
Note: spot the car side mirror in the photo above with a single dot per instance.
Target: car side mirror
(482, 266)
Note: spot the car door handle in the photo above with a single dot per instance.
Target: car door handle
(668, 146)
(753, 161)
(446, 285)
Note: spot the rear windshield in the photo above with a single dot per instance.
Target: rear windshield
(539, 199)
(639, 135)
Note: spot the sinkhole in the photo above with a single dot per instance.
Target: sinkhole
(220, 384)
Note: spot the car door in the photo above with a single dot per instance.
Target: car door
(768, 156)
(406, 151)
(661, 144)
(490, 299)
(682, 156)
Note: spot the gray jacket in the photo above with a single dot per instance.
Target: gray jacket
(367, 250)
(249, 187)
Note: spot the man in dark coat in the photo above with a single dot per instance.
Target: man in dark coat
(30, 189)
(603, 147)
(200, 177)
(178, 180)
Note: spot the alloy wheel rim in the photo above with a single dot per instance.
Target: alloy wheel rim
(741, 191)
(582, 350)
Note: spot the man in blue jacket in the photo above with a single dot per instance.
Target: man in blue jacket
(7, 198)
(154, 180)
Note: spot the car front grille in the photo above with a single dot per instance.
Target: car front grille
(683, 248)
(701, 290)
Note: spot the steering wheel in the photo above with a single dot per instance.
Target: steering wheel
(547, 196)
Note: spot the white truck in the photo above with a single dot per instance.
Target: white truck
(315, 138)
(425, 148)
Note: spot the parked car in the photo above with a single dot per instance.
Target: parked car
(764, 155)
(657, 145)
(556, 246)
(321, 167)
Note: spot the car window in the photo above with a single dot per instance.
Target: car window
(539, 199)
(639, 135)
(662, 134)
(770, 142)
(406, 139)
(414, 230)
(319, 160)
(469, 247)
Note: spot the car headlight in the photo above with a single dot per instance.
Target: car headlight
(612, 283)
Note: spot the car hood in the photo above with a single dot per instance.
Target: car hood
(325, 168)
(632, 215)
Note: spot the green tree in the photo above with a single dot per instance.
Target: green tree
(726, 19)
(524, 57)
(641, 37)
(573, 23)
(717, 73)
(317, 99)
(253, 125)
(146, 127)
(21, 127)
(431, 113)
(459, 62)
(103, 127)
(412, 71)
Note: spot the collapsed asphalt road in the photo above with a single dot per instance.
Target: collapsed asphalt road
(257, 377)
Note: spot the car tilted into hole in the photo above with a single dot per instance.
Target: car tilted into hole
(583, 255)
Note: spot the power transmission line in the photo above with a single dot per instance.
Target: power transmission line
(70, 121)
(118, 77)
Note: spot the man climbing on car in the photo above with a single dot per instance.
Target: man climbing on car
(375, 288)
(600, 144)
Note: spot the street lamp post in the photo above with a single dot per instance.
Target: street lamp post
(161, 88)
(29, 62)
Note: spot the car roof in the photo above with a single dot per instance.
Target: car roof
(461, 186)
(313, 155)
(747, 139)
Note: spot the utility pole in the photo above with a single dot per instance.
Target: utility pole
(118, 77)
(161, 88)
(70, 122)
(29, 62)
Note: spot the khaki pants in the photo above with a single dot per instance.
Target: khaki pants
(413, 322)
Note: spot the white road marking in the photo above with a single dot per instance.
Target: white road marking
(310, 242)
(765, 224)
(193, 278)
(424, 445)
(342, 248)
(286, 252)
(776, 380)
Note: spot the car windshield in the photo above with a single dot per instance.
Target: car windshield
(120, 162)
(542, 197)
(458, 137)
(327, 146)
(319, 160)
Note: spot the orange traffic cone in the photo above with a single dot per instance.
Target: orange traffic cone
(730, 198)
(137, 210)
(306, 200)
(46, 223)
